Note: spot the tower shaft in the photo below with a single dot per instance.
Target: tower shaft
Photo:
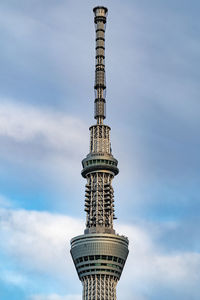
(99, 254)
(99, 287)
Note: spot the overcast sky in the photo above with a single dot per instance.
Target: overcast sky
(153, 107)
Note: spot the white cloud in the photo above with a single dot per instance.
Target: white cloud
(26, 124)
(13, 278)
(150, 267)
(49, 142)
(40, 242)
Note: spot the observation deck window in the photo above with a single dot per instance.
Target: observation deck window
(85, 258)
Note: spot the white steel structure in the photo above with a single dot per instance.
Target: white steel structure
(99, 254)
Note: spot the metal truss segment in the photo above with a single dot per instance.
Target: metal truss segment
(99, 287)
(99, 200)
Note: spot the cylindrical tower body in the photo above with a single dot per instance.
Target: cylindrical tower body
(99, 254)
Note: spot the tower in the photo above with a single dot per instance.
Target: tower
(99, 254)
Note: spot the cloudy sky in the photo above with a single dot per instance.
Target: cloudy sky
(46, 106)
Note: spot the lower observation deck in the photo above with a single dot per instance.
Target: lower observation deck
(99, 254)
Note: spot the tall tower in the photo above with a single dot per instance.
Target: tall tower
(99, 254)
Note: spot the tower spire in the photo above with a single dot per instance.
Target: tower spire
(99, 254)
(100, 14)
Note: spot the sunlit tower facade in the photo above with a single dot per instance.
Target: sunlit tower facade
(99, 254)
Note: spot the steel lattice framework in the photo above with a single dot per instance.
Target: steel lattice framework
(99, 254)
(99, 287)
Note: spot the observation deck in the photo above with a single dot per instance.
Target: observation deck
(95, 254)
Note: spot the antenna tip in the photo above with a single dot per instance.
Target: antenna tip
(100, 11)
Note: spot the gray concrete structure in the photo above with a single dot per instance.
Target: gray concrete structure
(99, 254)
